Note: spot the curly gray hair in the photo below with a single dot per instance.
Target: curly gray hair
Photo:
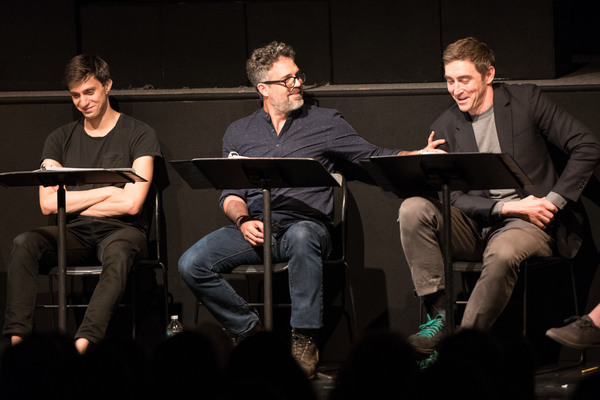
(263, 58)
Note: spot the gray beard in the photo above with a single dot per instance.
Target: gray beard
(286, 107)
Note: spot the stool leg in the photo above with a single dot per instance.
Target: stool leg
(524, 267)
(583, 358)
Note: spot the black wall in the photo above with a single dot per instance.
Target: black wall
(204, 44)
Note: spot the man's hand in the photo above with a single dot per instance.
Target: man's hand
(253, 232)
(430, 148)
(432, 144)
(539, 212)
(237, 211)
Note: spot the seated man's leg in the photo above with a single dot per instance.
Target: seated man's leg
(305, 244)
(200, 267)
(34, 252)
(507, 248)
(421, 223)
(118, 248)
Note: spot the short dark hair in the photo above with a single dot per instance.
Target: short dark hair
(263, 58)
(473, 50)
(85, 66)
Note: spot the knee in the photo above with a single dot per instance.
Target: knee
(503, 262)
(26, 241)
(22, 240)
(185, 265)
(414, 211)
(306, 235)
(190, 264)
(120, 250)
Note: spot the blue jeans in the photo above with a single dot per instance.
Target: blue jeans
(304, 245)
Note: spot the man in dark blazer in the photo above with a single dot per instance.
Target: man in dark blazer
(500, 227)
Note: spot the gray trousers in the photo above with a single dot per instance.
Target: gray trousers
(502, 250)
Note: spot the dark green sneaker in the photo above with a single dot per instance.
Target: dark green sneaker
(429, 361)
(429, 336)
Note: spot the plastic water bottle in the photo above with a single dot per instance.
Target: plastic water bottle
(174, 326)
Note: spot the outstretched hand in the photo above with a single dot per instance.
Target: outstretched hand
(432, 144)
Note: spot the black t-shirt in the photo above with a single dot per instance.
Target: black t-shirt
(130, 139)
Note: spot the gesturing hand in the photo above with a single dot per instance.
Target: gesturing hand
(432, 144)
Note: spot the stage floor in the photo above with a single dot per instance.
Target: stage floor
(550, 385)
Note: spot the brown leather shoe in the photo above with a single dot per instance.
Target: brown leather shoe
(305, 351)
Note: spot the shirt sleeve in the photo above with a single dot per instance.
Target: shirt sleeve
(145, 141)
(346, 143)
(573, 138)
(227, 148)
(53, 147)
(556, 199)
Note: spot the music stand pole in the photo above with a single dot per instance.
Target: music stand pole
(447, 242)
(268, 276)
(62, 259)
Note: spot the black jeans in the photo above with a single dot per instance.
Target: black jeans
(89, 240)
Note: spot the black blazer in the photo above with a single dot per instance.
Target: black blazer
(525, 120)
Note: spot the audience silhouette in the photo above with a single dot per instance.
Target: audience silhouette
(203, 364)
(380, 363)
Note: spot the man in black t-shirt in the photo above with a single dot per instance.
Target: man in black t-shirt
(105, 222)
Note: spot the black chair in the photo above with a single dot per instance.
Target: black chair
(338, 257)
(153, 207)
(466, 267)
(527, 266)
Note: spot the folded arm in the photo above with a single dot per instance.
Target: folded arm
(103, 202)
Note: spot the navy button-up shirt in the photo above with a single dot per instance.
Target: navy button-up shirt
(309, 132)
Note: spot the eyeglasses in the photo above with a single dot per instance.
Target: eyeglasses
(291, 81)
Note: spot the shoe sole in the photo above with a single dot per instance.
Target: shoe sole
(425, 351)
(572, 345)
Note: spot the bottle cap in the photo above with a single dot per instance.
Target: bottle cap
(174, 317)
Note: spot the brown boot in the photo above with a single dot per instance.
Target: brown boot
(305, 350)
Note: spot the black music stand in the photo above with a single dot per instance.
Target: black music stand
(414, 174)
(62, 177)
(256, 173)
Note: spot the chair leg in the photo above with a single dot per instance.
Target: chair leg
(582, 358)
(421, 306)
(51, 286)
(354, 330)
(524, 268)
(166, 293)
(133, 291)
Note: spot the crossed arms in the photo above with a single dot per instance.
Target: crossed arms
(108, 201)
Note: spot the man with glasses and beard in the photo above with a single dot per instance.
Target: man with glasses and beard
(301, 217)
